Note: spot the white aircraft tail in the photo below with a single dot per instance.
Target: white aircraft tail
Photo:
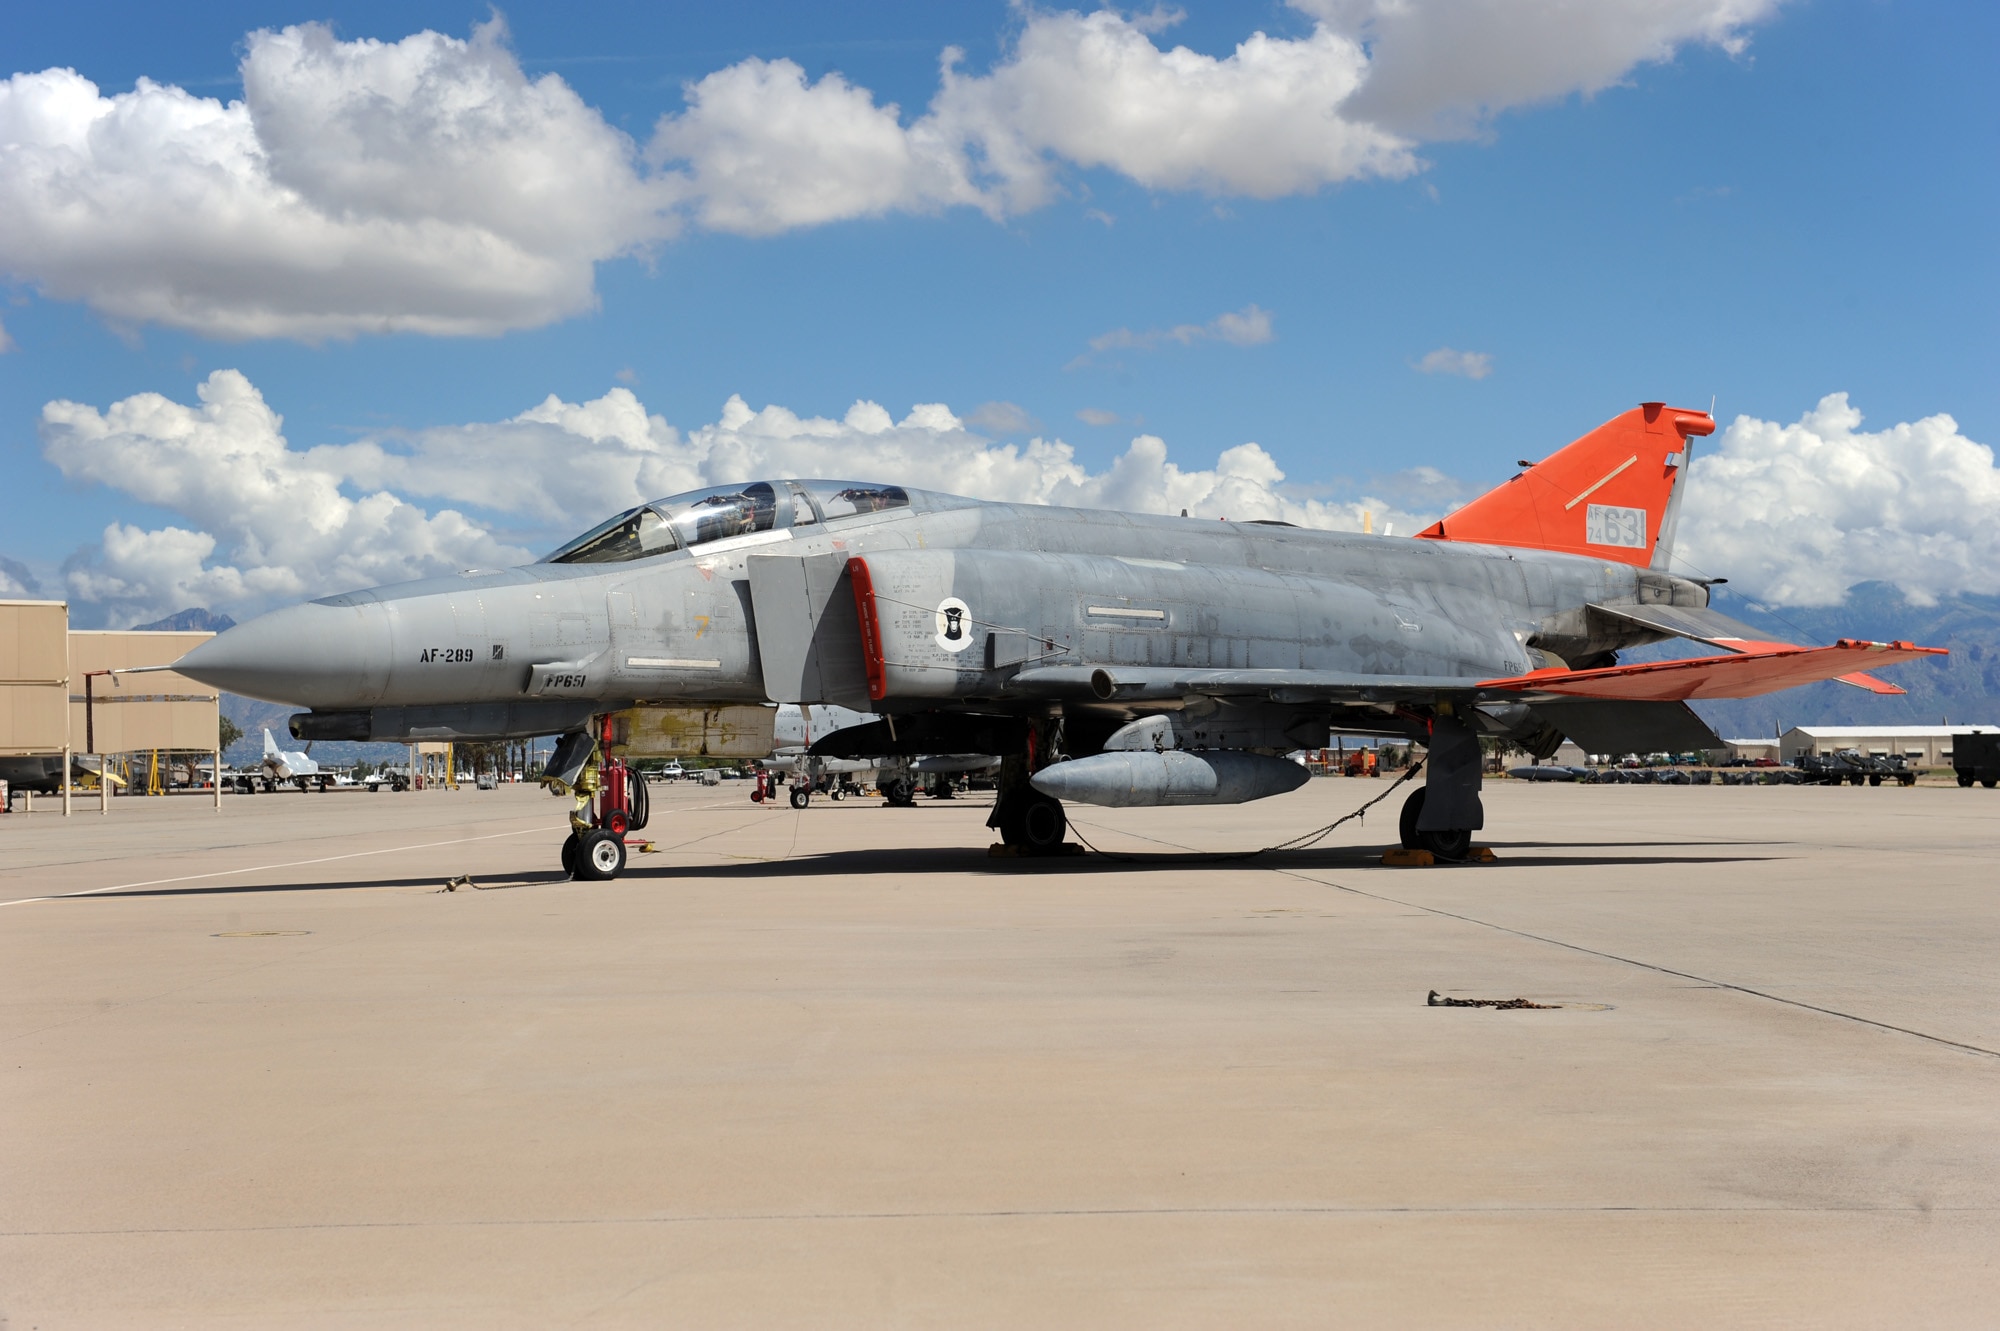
(270, 745)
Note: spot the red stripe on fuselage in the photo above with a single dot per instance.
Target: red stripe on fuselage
(871, 627)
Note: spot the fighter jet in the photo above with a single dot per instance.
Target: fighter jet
(283, 766)
(1113, 658)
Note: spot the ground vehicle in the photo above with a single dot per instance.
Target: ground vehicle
(1976, 757)
(487, 781)
(1854, 767)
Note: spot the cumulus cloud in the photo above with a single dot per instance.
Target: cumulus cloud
(290, 528)
(1098, 416)
(425, 185)
(1096, 90)
(1002, 418)
(1351, 100)
(267, 522)
(428, 185)
(1465, 364)
(1442, 68)
(16, 580)
(766, 151)
(1794, 514)
(1797, 514)
(1247, 327)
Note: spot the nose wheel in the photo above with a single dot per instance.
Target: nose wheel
(600, 855)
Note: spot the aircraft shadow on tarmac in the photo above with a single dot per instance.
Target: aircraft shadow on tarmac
(937, 860)
(968, 860)
(431, 881)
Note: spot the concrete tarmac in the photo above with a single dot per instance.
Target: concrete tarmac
(841, 1068)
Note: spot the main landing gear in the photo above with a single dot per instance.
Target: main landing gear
(1027, 820)
(612, 800)
(1453, 843)
(1442, 815)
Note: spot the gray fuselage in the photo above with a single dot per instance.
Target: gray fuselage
(1032, 586)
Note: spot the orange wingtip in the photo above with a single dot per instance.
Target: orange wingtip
(1741, 675)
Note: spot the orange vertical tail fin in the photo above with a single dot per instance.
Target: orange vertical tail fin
(1610, 495)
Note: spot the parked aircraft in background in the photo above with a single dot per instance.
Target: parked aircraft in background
(297, 768)
(34, 772)
(797, 726)
(1113, 658)
(793, 729)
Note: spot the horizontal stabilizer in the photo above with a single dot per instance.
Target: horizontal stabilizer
(1745, 675)
(1701, 624)
(1698, 623)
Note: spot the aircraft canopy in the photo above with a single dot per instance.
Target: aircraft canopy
(682, 521)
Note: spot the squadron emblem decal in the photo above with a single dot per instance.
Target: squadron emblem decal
(954, 624)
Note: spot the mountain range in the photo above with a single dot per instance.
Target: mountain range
(1960, 689)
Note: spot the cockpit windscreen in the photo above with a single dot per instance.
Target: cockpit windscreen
(672, 524)
(700, 516)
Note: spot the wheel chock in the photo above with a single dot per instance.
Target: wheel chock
(1403, 858)
(643, 847)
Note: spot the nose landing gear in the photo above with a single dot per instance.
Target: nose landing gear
(612, 801)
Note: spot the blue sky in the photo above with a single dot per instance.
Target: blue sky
(1809, 213)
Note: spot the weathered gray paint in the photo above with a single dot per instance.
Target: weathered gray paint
(1338, 624)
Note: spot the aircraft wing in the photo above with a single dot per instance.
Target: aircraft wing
(1743, 675)
(1701, 624)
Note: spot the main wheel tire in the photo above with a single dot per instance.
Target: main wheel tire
(1964, 777)
(1453, 843)
(600, 855)
(800, 797)
(1906, 778)
(569, 854)
(1990, 782)
(900, 793)
(1874, 779)
(1406, 822)
(1043, 824)
(837, 793)
(1032, 822)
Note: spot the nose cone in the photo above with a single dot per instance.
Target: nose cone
(320, 656)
